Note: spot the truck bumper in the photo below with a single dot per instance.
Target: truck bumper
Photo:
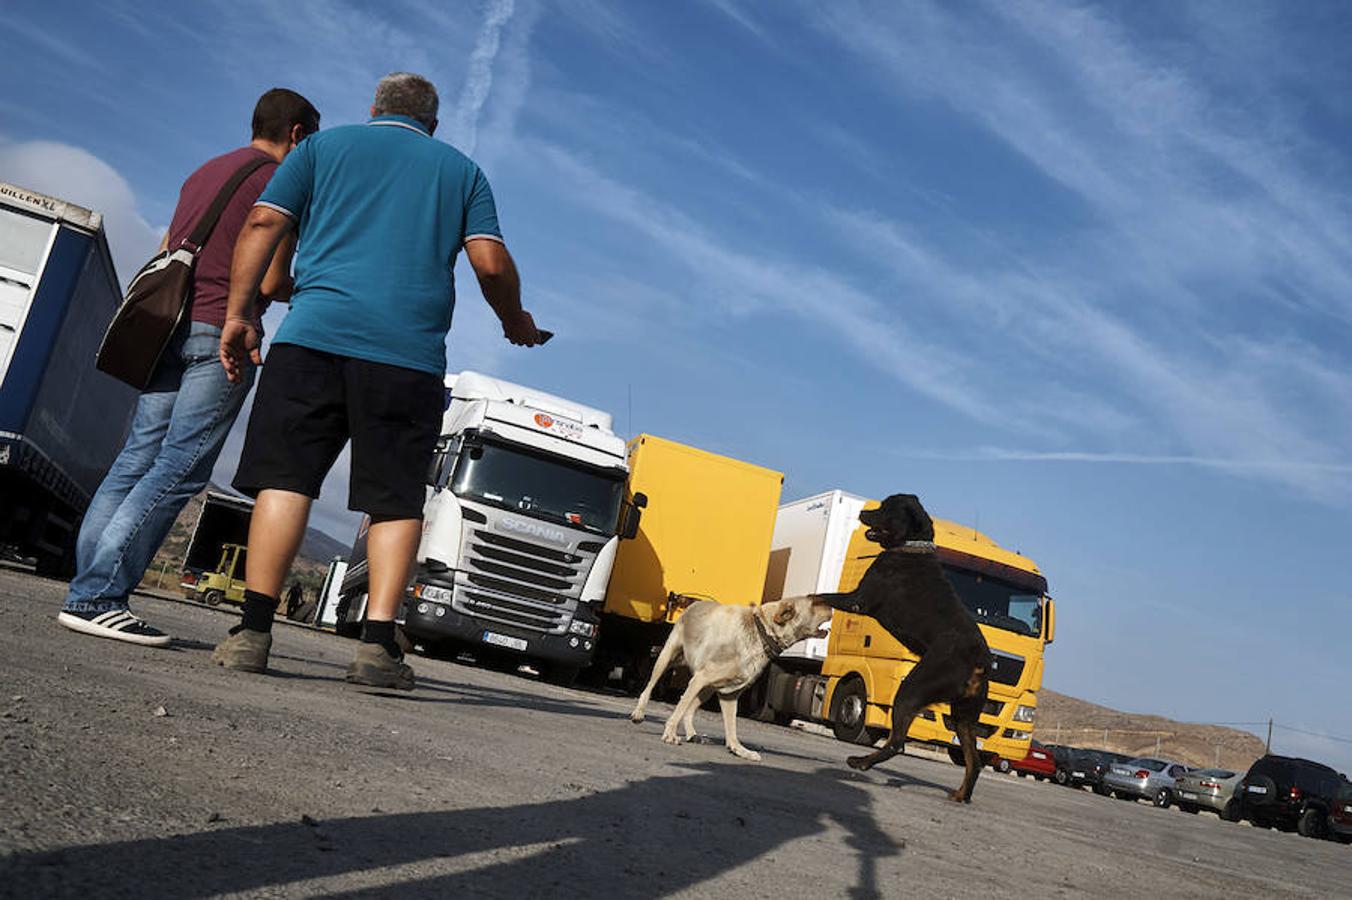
(421, 620)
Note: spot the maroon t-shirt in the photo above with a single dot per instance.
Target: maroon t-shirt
(211, 281)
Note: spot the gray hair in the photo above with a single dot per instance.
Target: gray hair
(406, 94)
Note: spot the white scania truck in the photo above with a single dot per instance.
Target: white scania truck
(526, 506)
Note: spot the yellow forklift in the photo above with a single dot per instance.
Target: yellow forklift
(221, 584)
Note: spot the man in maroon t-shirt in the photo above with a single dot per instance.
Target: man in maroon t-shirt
(186, 411)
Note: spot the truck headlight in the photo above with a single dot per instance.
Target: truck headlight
(432, 592)
(1025, 713)
(1018, 735)
(586, 629)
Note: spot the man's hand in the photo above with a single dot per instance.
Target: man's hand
(501, 285)
(519, 328)
(239, 346)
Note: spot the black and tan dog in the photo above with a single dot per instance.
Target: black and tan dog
(906, 591)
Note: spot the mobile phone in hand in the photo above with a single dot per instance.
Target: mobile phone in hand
(544, 336)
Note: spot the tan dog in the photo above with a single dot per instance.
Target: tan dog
(726, 648)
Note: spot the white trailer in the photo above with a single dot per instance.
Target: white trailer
(807, 555)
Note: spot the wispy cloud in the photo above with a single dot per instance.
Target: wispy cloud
(479, 80)
(1183, 191)
(1266, 466)
(750, 284)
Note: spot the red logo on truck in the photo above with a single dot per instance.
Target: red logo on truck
(543, 420)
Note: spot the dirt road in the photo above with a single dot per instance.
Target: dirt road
(141, 772)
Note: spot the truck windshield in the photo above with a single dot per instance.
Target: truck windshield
(543, 486)
(998, 603)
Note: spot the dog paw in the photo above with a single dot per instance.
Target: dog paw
(749, 755)
(670, 738)
(957, 797)
(636, 717)
(859, 762)
(692, 738)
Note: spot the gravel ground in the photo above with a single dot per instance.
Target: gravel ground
(139, 772)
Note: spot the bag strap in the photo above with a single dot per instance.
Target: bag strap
(202, 230)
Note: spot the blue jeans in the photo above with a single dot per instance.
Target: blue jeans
(180, 425)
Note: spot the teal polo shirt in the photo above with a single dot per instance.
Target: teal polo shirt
(381, 212)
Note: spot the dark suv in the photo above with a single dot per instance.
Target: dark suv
(1285, 792)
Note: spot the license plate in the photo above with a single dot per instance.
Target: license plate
(979, 743)
(1077, 774)
(1187, 795)
(1347, 809)
(502, 640)
(1256, 789)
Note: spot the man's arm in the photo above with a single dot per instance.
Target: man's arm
(258, 241)
(277, 283)
(501, 286)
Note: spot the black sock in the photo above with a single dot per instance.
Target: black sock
(381, 633)
(258, 610)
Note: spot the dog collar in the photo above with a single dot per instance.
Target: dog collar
(772, 646)
(913, 547)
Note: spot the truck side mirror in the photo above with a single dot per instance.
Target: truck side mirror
(1049, 620)
(632, 516)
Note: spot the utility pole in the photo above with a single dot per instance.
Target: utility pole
(1105, 739)
(1157, 745)
(1267, 748)
(1217, 764)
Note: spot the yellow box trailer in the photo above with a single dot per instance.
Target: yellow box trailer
(705, 535)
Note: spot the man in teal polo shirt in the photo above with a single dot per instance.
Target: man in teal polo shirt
(381, 211)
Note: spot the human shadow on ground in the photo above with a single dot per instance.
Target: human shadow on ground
(648, 838)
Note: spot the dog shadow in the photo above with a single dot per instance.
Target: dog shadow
(645, 839)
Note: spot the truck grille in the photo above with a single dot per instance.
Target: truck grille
(1006, 668)
(982, 730)
(511, 611)
(516, 582)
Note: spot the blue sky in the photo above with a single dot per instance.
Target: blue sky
(1076, 274)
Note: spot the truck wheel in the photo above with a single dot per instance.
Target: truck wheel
(304, 613)
(848, 708)
(1311, 823)
(754, 702)
(955, 754)
(213, 597)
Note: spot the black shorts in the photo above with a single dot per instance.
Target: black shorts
(310, 403)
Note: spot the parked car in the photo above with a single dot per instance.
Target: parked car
(1062, 756)
(1212, 789)
(1340, 819)
(1144, 778)
(1086, 768)
(1038, 763)
(1288, 793)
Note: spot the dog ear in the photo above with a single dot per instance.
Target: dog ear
(919, 527)
(784, 615)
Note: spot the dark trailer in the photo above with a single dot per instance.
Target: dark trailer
(62, 421)
(224, 519)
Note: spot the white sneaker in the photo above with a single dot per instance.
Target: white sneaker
(118, 624)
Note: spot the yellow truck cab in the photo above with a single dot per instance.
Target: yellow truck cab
(1007, 595)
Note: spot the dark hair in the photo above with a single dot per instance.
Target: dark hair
(278, 110)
